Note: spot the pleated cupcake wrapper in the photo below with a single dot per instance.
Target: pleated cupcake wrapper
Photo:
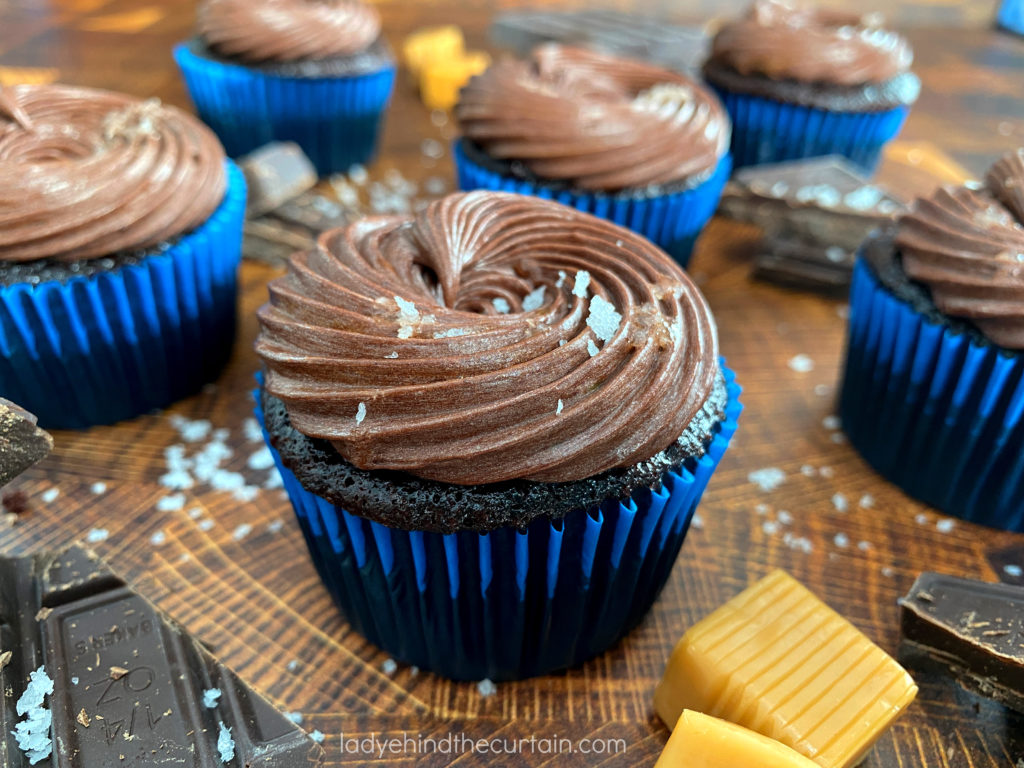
(672, 221)
(336, 120)
(511, 603)
(1011, 16)
(932, 411)
(99, 349)
(769, 131)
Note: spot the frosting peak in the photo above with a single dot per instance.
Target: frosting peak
(967, 246)
(287, 30)
(87, 173)
(594, 121)
(786, 41)
(490, 337)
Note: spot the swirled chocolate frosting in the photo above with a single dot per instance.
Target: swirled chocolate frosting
(490, 337)
(593, 120)
(287, 30)
(87, 173)
(785, 41)
(967, 247)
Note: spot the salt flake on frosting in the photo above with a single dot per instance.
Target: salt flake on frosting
(579, 287)
(408, 316)
(534, 299)
(603, 319)
(450, 333)
(501, 306)
(560, 406)
(360, 413)
(592, 347)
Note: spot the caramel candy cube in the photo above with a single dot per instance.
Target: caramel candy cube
(441, 79)
(777, 660)
(701, 741)
(432, 44)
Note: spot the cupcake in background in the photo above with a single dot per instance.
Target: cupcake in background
(120, 237)
(628, 141)
(1011, 16)
(802, 82)
(494, 420)
(316, 72)
(933, 393)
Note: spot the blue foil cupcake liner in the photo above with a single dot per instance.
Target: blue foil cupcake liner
(671, 221)
(98, 349)
(934, 411)
(769, 131)
(336, 120)
(508, 604)
(1011, 16)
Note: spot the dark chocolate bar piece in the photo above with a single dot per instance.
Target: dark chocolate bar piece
(292, 226)
(22, 443)
(804, 265)
(129, 687)
(274, 174)
(975, 629)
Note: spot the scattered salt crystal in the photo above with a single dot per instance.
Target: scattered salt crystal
(276, 526)
(360, 413)
(451, 333)
(1013, 570)
(863, 546)
(317, 736)
(562, 276)
(838, 438)
(295, 717)
(821, 390)
(74, 680)
(863, 199)
(435, 185)
(945, 525)
(195, 513)
(392, 356)
(407, 316)
(246, 493)
(824, 195)
(252, 430)
(357, 174)
(888, 572)
(205, 525)
(841, 540)
(177, 480)
(389, 667)
(827, 472)
(50, 495)
(867, 501)
(223, 480)
(843, 310)
(501, 306)
(261, 459)
(33, 733)
(831, 422)
(241, 531)
(770, 527)
(807, 470)
(171, 503)
(158, 538)
(784, 517)
(835, 254)
(762, 509)
(579, 287)
(96, 535)
(603, 318)
(486, 688)
(801, 543)
(274, 480)
(98, 488)
(920, 518)
(801, 364)
(560, 406)
(225, 744)
(210, 697)
(534, 299)
(840, 502)
(193, 431)
(432, 148)
(767, 479)
(592, 347)
(697, 521)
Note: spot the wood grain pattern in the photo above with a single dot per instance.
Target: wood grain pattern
(238, 575)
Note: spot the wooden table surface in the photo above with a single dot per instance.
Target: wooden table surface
(237, 573)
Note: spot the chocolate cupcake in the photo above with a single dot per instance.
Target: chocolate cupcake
(316, 72)
(120, 237)
(628, 141)
(933, 393)
(494, 420)
(802, 82)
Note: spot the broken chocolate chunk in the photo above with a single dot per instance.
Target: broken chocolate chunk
(975, 629)
(22, 443)
(274, 174)
(127, 683)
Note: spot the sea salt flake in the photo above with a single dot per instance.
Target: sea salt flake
(841, 540)
(867, 501)
(274, 480)
(767, 479)
(1013, 570)
(242, 531)
(177, 480)
(225, 744)
(801, 363)
(451, 333)
(835, 254)
(261, 459)
(171, 503)
(276, 526)
(158, 538)
(389, 667)
(96, 535)
(807, 470)
(784, 517)
(33, 733)
(98, 488)
(501, 306)
(392, 356)
(252, 430)
(317, 736)
(210, 697)
(831, 422)
(295, 717)
(827, 472)
(770, 527)
(592, 347)
(534, 299)
(560, 406)
(579, 287)
(486, 688)
(697, 521)
(360, 413)
(863, 199)
(50, 495)
(945, 525)
(205, 525)
(920, 518)
(863, 546)
(603, 318)
(840, 502)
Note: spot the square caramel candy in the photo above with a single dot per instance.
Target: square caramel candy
(701, 741)
(777, 660)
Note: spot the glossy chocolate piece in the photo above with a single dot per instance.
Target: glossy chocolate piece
(22, 443)
(128, 683)
(973, 628)
(274, 174)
